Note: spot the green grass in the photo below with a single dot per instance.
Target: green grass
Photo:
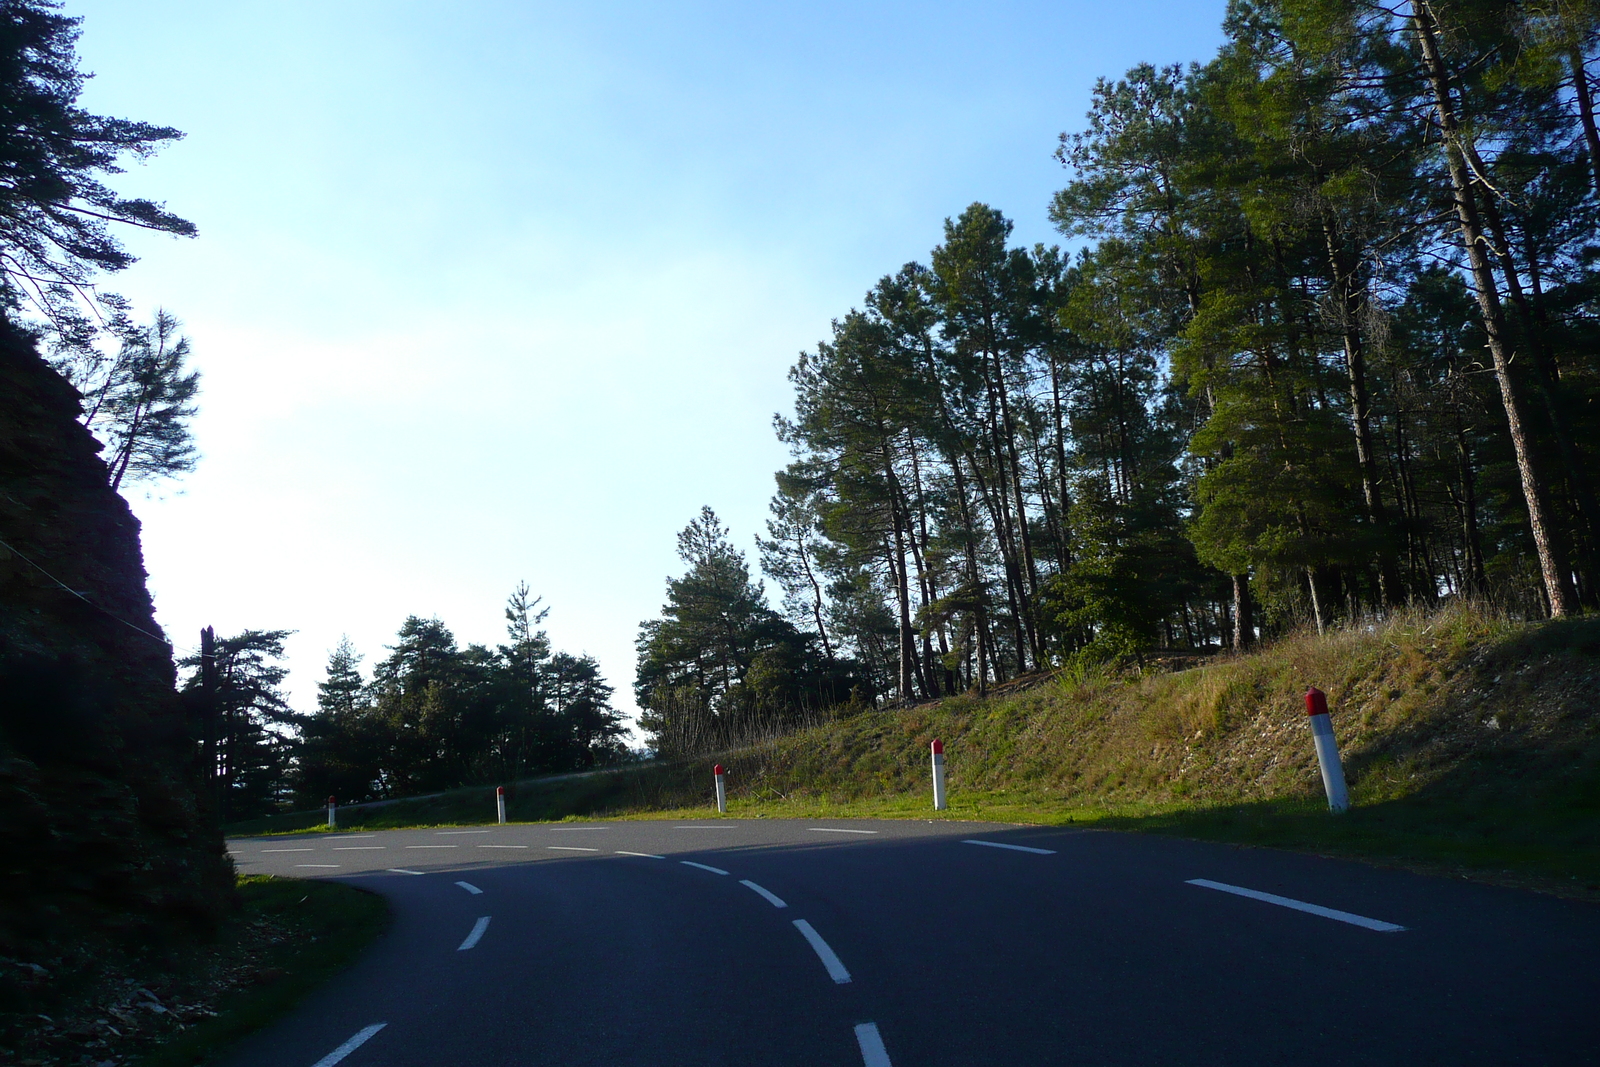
(1471, 743)
(327, 926)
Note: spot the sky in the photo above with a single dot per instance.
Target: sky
(488, 292)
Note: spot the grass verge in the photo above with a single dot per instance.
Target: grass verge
(295, 935)
(175, 1004)
(1471, 744)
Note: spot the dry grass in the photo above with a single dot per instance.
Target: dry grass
(1413, 700)
(1470, 741)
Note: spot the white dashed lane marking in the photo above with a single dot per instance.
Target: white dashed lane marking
(433, 846)
(447, 833)
(401, 870)
(502, 846)
(644, 855)
(477, 932)
(265, 850)
(837, 830)
(349, 1046)
(771, 897)
(316, 865)
(1014, 848)
(1300, 905)
(359, 848)
(703, 867)
(873, 1054)
(830, 959)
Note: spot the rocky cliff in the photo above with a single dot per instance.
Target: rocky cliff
(105, 835)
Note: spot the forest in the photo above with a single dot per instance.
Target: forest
(432, 716)
(1324, 344)
(1319, 342)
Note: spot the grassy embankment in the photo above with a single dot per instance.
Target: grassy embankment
(1471, 744)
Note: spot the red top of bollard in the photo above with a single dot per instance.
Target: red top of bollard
(499, 790)
(1316, 701)
(330, 802)
(717, 770)
(938, 747)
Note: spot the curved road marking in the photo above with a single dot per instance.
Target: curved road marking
(401, 870)
(837, 830)
(1014, 848)
(469, 887)
(1300, 905)
(477, 932)
(830, 959)
(873, 1054)
(349, 1046)
(772, 898)
(703, 867)
(646, 855)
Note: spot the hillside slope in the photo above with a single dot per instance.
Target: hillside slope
(1469, 742)
(1454, 703)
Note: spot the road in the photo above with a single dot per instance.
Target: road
(755, 942)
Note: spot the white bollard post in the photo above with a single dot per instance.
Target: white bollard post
(938, 775)
(333, 812)
(722, 792)
(500, 802)
(1327, 751)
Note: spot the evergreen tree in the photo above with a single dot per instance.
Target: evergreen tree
(256, 737)
(143, 402)
(721, 666)
(343, 744)
(55, 213)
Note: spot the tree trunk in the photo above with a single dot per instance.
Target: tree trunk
(1355, 361)
(816, 596)
(1244, 629)
(1063, 549)
(1546, 378)
(1581, 90)
(1557, 583)
(1316, 601)
(1477, 578)
(997, 514)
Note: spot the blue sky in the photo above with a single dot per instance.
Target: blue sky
(488, 292)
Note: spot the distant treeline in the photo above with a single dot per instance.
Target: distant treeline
(1331, 345)
(433, 716)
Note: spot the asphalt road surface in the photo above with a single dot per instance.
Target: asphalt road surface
(755, 942)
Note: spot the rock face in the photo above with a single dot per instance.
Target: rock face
(105, 834)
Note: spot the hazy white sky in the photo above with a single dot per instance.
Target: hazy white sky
(492, 291)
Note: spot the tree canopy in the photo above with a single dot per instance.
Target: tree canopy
(56, 213)
(1326, 346)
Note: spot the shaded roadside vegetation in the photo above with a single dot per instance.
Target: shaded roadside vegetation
(1470, 742)
(170, 1006)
